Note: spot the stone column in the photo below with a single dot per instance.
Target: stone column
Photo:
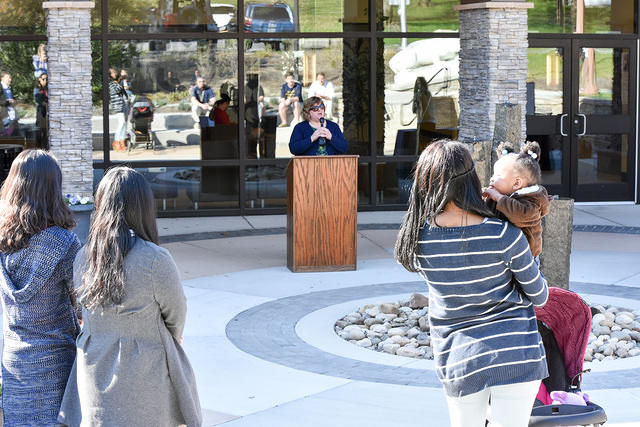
(69, 51)
(493, 64)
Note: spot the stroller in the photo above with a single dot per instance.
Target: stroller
(564, 324)
(141, 116)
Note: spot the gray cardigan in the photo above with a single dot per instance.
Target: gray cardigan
(130, 369)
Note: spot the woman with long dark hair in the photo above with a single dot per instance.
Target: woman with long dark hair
(40, 326)
(131, 369)
(483, 285)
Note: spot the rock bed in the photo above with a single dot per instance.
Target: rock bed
(403, 329)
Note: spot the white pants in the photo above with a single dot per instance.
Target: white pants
(510, 406)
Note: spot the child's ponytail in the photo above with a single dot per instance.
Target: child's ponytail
(528, 161)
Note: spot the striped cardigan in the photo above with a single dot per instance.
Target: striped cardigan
(483, 285)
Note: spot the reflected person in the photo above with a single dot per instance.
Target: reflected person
(315, 136)
(41, 98)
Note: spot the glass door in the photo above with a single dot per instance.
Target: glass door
(603, 120)
(548, 106)
(581, 97)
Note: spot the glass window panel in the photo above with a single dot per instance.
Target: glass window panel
(418, 15)
(161, 117)
(602, 159)
(193, 188)
(172, 15)
(96, 17)
(24, 121)
(306, 16)
(364, 189)
(22, 17)
(266, 186)
(598, 16)
(604, 81)
(421, 91)
(393, 182)
(97, 119)
(269, 122)
(544, 81)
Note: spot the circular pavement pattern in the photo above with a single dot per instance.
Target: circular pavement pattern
(267, 331)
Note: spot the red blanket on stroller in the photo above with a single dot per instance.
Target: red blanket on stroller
(569, 318)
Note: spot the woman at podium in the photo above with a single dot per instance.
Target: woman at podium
(315, 136)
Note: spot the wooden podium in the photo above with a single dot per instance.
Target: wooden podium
(322, 208)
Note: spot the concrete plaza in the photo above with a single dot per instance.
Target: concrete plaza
(261, 338)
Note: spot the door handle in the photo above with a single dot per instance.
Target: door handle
(584, 124)
(562, 117)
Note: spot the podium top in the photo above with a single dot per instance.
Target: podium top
(340, 156)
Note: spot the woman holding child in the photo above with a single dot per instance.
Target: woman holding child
(130, 369)
(483, 285)
(37, 250)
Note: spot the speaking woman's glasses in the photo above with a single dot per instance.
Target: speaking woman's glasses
(318, 107)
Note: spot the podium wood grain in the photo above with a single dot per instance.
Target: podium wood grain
(322, 210)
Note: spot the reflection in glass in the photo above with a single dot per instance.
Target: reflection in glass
(604, 77)
(169, 86)
(305, 16)
(582, 16)
(24, 101)
(544, 81)
(267, 67)
(419, 15)
(420, 94)
(602, 159)
(22, 17)
(172, 15)
(193, 188)
(266, 186)
(393, 182)
(364, 189)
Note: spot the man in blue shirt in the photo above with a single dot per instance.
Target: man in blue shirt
(7, 107)
(202, 100)
(290, 94)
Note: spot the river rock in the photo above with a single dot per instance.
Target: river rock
(389, 308)
(424, 324)
(418, 301)
(354, 332)
(408, 352)
(620, 335)
(624, 319)
(372, 321)
(397, 331)
(373, 311)
(365, 342)
(380, 329)
(413, 332)
(390, 348)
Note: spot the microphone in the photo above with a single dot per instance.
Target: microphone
(322, 139)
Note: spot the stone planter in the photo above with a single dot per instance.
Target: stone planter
(557, 231)
(82, 214)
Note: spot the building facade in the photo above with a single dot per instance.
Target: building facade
(391, 82)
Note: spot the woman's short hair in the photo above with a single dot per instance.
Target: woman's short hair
(124, 212)
(308, 103)
(444, 173)
(31, 199)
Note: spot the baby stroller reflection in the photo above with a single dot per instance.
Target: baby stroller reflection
(140, 117)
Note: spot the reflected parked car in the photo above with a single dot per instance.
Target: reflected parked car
(268, 18)
(224, 16)
(185, 15)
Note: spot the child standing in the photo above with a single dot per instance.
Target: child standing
(515, 192)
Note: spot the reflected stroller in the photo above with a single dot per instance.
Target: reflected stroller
(564, 324)
(141, 116)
